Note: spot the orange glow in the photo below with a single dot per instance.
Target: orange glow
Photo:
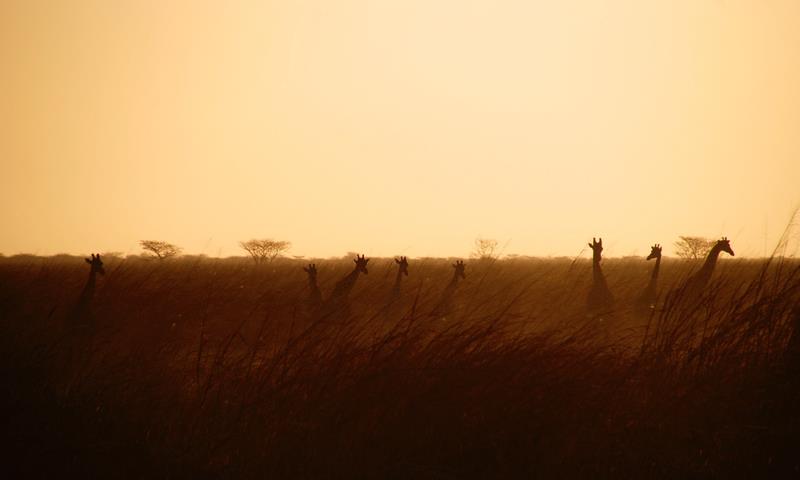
(397, 127)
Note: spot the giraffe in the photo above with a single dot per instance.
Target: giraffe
(81, 313)
(338, 301)
(402, 270)
(692, 293)
(646, 301)
(445, 305)
(76, 342)
(600, 299)
(392, 304)
(314, 295)
(698, 281)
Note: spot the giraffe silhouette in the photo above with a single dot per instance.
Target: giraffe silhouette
(392, 304)
(600, 300)
(314, 299)
(81, 314)
(646, 301)
(402, 270)
(695, 285)
(445, 305)
(339, 300)
(76, 342)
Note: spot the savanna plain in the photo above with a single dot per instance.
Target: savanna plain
(207, 367)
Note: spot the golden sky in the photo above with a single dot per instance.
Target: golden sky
(397, 127)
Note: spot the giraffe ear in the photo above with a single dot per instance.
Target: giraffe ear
(87, 261)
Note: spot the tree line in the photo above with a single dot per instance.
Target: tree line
(266, 249)
(260, 250)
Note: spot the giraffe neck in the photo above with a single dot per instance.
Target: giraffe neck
(711, 261)
(654, 275)
(445, 305)
(81, 312)
(597, 271)
(648, 296)
(345, 285)
(397, 281)
(88, 289)
(312, 285)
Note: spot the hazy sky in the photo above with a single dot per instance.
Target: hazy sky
(389, 127)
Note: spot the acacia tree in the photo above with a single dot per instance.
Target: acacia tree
(484, 248)
(693, 247)
(159, 249)
(265, 248)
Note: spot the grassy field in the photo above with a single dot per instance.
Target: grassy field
(217, 367)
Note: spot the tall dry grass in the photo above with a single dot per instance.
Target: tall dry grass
(215, 367)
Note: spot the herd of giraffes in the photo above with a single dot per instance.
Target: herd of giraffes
(339, 300)
(599, 301)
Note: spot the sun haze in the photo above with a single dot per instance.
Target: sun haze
(397, 127)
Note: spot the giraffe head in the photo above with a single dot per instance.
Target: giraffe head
(311, 270)
(724, 245)
(361, 263)
(459, 266)
(96, 263)
(597, 248)
(403, 265)
(655, 252)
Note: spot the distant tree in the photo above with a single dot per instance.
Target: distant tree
(484, 248)
(159, 249)
(265, 248)
(693, 247)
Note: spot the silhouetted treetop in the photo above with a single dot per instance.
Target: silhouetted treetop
(159, 249)
(265, 248)
(693, 247)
